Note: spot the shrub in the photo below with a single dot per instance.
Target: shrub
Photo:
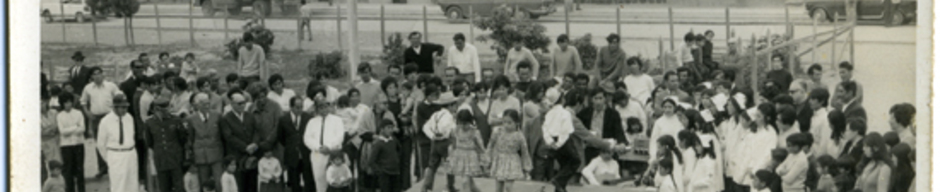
(327, 66)
(506, 29)
(393, 52)
(587, 50)
(261, 35)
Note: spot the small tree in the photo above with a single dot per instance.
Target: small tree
(393, 52)
(327, 65)
(587, 50)
(506, 29)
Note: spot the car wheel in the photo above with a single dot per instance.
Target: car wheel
(79, 17)
(234, 11)
(46, 15)
(897, 18)
(819, 14)
(261, 8)
(207, 9)
(454, 13)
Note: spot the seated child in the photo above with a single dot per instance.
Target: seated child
(191, 179)
(825, 166)
(338, 175)
(54, 183)
(602, 168)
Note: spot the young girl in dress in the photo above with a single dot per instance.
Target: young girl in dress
(508, 153)
(269, 173)
(338, 176)
(636, 162)
(466, 151)
(228, 177)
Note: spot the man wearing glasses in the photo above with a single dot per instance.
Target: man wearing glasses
(804, 113)
(116, 144)
(242, 138)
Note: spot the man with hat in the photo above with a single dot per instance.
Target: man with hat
(323, 135)
(166, 136)
(79, 73)
(116, 144)
(438, 129)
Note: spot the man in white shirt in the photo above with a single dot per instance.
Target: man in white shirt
(278, 93)
(823, 144)
(97, 99)
(683, 55)
(786, 116)
(639, 84)
(324, 137)
(465, 58)
(116, 143)
(439, 128)
(901, 120)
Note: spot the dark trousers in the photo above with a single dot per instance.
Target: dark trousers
(405, 161)
(339, 189)
(424, 153)
(211, 172)
(543, 168)
(247, 180)
(94, 122)
(141, 161)
(73, 162)
(389, 182)
(302, 171)
(567, 157)
(171, 180)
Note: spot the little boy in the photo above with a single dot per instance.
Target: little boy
(385, 158)
(793, 170)
(778, 156)
(338, 175)
(54, 183)
(761, 181)
(602, 169)
(824, 166)
(191, 179)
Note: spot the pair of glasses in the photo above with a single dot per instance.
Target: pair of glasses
(162, 105)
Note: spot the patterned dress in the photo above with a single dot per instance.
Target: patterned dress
(509, 156)
(464, 160)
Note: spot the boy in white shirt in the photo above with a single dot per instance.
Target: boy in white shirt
(601, 169)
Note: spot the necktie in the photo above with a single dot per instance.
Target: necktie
(297, 122)
(121, 129)
(322, 129)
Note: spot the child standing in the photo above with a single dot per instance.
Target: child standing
(509, 155)
(191, 180)
(602, 169)
(269, 173)
(54, 183)
(228, 179)
(777, 155)
(465, 152)
(385, 156)
(825, 167)
(338, 175)
(665, 171)
(793, 170)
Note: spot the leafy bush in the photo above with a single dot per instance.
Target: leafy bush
(327, 66)
(261, 35)
(506, 29)
(587, 50)
(393, 50)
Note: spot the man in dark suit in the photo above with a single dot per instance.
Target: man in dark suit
(799, 91)
(852, 106)
(609, 125)
(79, 74)
(129, 86)
(853, 135)
(296, 156)
(242, 138)
(422, 54)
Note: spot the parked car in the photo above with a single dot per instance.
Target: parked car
(460, 9)
(904, 12)
(55, 9)
(258, 7)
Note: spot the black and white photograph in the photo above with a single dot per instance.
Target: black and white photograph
(471, 95)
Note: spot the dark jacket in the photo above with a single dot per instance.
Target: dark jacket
(129, 88)
(166, 137)
(292, 138)
(855, 110)
(583, 138)
(613, 127)
(266, 115)
(781, 79)
(804, 116)
(385, 156)
(424, 59)
(854, 151)
(481, 118)
(206, 138)
(78, 81)
(238, 134)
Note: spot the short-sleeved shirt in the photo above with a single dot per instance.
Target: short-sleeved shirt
(99, 97)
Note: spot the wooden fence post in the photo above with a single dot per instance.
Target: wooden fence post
(567, 22)
(62, 11)
(130, 22)
(835, 32)
(618, 22)
(470, 15)
(424, 18)
(192, 35)
(754, 64)
(94, 27)
(127, 41)
(225, 24)
(727, 24)
(813, 46)
(339, 27)
(156, 11)
(662, 56)
(672, 35)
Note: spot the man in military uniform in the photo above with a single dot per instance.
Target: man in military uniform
(166, 137)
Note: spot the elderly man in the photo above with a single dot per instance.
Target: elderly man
(799, 91)
(116, 142)
(242, 141)
(97, 99)
(323, 135)
(166, 136)
(205, 139)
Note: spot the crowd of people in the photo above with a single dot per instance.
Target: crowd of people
(168, 128)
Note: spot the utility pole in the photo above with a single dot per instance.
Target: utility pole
(353, 53)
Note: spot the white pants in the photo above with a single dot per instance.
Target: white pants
(123, 170)
(319, 162)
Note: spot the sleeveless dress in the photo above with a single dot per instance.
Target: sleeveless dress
(464, 160)
(509, 156)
